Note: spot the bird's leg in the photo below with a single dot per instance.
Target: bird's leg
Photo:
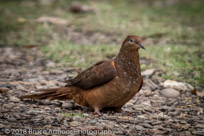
(96, 112)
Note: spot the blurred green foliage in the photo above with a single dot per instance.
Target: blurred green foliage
(172, 30)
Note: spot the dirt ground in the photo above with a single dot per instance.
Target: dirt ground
(22, 71)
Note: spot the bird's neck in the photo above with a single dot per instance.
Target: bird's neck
(128, 62)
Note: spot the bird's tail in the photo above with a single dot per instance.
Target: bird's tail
(63, 93)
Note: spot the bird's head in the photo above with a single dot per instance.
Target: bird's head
(133, 42)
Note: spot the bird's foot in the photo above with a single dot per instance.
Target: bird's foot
(96, 112)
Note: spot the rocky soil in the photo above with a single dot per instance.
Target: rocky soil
(158, 109)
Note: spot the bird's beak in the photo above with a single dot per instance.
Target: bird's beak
(141, 46)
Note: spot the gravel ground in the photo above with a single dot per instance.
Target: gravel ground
(155, 110)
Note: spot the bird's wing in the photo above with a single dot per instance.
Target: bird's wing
(98, 74)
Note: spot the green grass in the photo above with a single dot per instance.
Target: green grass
(180, 62)
(80, 56)
(180, 22)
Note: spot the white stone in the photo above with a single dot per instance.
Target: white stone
(177, 85)
(67, 105)
(148, 72)
(170, 93)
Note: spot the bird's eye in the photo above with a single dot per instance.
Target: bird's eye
(131, 40)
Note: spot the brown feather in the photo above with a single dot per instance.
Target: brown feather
(97, 75)
(54, 93)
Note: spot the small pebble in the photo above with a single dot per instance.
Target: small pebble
(170, 93)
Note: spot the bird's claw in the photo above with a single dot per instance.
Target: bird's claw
(96, 112)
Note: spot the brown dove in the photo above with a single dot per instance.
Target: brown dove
(106, 84)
